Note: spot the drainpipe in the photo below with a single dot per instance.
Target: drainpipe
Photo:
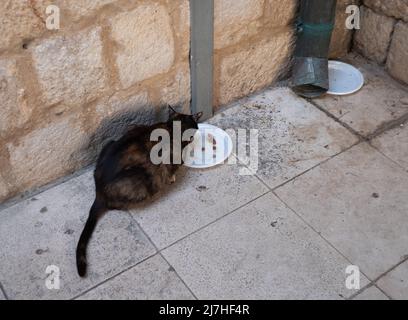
(201, 56)
(310, 75)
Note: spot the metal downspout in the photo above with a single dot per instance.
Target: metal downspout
(315, 26)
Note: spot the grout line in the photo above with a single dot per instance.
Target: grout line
(389, 125)
(383, 292)
(374, 282)
(37, 191)
(383, 154)
(113, 276)
(391, 269)
(392, 124)
(214, 221)
(2, 290)
(319, 234)
(161, 255)
(366, 287)
(178, 275)
(330, 115)
(308, 170)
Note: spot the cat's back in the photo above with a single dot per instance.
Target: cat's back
(131, 150)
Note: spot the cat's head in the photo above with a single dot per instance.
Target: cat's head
(187, 121)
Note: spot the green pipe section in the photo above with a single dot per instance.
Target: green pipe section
(310, 75)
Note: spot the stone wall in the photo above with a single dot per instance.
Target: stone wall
(114, 62)
(63, 92)
(383, 36)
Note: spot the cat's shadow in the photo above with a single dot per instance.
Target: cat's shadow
(115, 126)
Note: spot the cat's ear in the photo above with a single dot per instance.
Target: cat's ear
(197, 116)
(172, 112)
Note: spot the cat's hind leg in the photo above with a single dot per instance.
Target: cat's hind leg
(130, 186)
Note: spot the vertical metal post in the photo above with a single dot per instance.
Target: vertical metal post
(201, 56)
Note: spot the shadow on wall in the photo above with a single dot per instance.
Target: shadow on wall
(114, 127)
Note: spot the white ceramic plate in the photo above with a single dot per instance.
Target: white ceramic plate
(344, 78)
(211, 146)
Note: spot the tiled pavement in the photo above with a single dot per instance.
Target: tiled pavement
(324, 197)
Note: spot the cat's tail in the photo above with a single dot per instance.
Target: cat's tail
(97, 209)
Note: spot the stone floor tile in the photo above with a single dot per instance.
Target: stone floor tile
(152, 279)
(395, 283)
(294, 135)
(44, 230)
(358, 201)
(394, 144)
(262, 251)
(372, 293)
(200, 197)
(380, 101)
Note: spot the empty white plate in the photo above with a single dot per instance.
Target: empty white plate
(344, 78)
(211, 146)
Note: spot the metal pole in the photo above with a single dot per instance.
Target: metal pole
(201, 56)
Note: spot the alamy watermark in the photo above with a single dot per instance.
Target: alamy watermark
(353, 277)
(52, 22)
(353, 20)
(169, 147)
(53, 19)
(52, 282)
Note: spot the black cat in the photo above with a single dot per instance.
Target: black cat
(125, 174)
